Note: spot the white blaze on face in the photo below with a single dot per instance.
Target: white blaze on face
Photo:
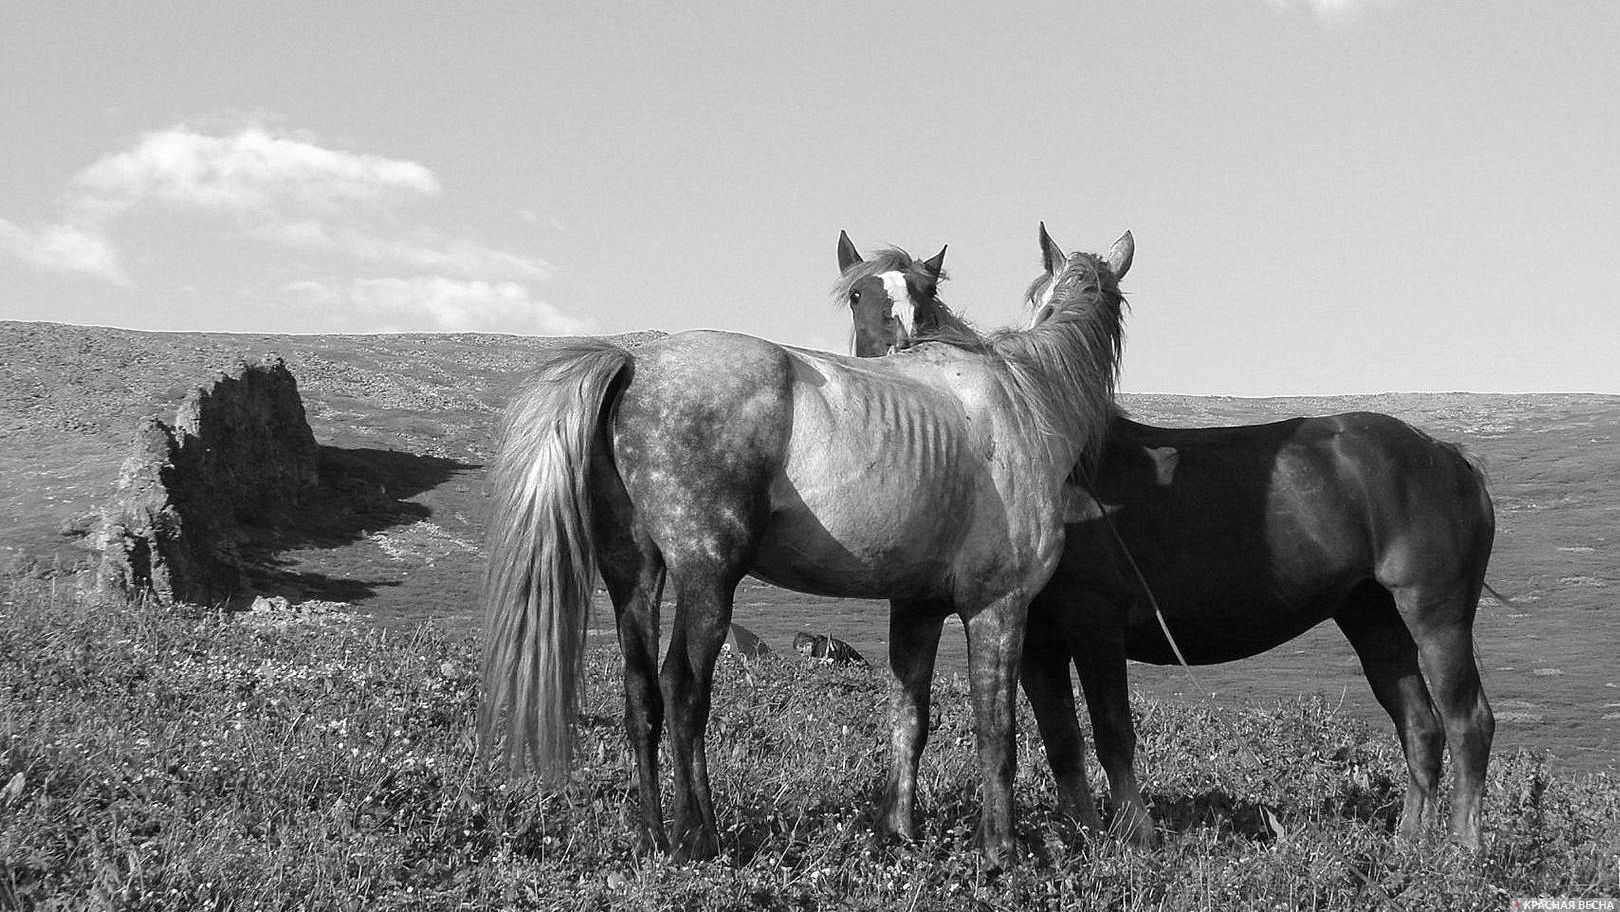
(905, 309)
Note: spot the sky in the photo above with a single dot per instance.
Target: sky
(1327, 196)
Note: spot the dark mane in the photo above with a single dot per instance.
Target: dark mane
(888, 259)
(952, 329)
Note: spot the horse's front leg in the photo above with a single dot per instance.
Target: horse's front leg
(633, 570)
(995, 643)
(914, 629)
(1099, 653)
(1045, 675)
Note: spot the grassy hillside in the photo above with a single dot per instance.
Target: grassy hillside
(187, 759)
(414, 414)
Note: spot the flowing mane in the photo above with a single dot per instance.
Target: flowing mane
(1078, 346)
(1073, 352)
(951, 328)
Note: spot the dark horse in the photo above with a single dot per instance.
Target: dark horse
(705, 456)
(1246, 537)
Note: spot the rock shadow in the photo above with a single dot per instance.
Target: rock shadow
(362, 491)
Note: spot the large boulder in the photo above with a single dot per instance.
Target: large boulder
(239, 454)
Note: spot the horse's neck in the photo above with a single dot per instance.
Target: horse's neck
(1053, 381)
(1077, 366)
(943, 325)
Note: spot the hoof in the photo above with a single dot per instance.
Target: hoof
(1084, 814)
(997, 862)
(999, 855)
(886, 833)
(893, 825)
(696, 847)
(650, 843)
(1136, 827)
(1468, 842)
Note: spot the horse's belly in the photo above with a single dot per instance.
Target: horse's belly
(1208, 635)
(843, 541)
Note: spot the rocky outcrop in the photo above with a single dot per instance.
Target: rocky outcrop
(240, 454)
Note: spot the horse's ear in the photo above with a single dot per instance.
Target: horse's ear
(1119, 257)
(933, 267)
(847, 254)
(1052, 256)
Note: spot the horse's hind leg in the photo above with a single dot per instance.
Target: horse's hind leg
(633, 571)
(635, 587)
(1442, 623)
(1389, 658)
(703, 603)
(914, 629)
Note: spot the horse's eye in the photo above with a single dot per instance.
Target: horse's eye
(855, 295)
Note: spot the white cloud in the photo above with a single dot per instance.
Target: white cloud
(1327, 9)
(433, 303)
(251, 171)
(64, 248)
(289, 191)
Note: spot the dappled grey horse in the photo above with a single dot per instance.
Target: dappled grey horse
(705, 456)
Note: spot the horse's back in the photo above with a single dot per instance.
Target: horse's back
(819, 472)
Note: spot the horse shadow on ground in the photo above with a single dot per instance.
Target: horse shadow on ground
(362, 491)
(1245, 819)
(769, 824)
(1257, 821)
(1041, 824)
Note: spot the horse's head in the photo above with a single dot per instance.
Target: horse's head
(891, 296)
(1062, 270)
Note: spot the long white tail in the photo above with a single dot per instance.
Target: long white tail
(542, 557)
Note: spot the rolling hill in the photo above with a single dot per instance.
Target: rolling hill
(415, 415)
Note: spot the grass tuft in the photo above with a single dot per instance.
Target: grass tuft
(178, 758)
